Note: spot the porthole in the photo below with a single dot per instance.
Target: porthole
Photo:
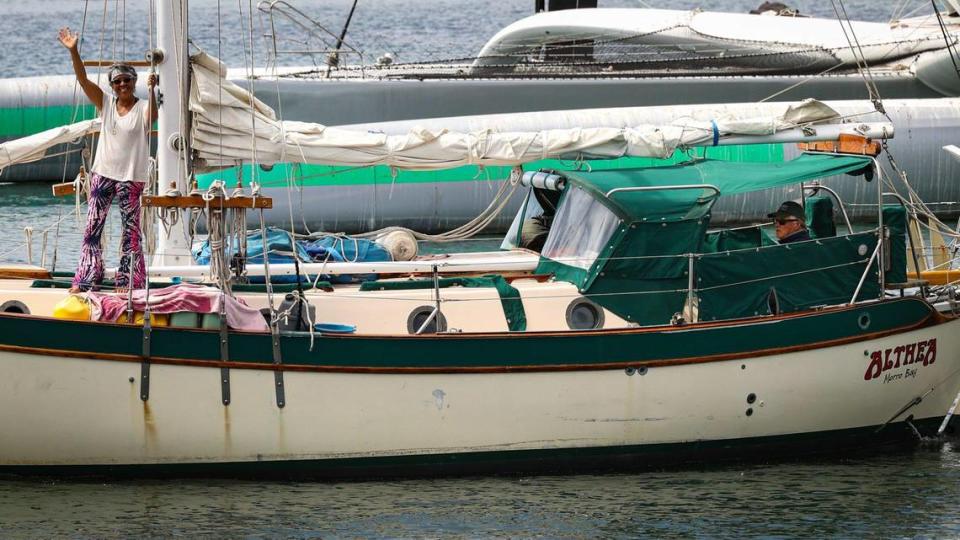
(419, 315)
(864, 321)
(14, 306)
(582, 314)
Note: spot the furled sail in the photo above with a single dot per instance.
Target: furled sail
(231, 126)
(34, 147)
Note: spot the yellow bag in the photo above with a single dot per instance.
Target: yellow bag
(73, 307)
(156, 319)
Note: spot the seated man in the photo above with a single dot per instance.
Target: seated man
(791, 223)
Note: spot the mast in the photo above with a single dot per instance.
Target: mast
(173, 247)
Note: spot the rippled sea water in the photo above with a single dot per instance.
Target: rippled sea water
(906, 494)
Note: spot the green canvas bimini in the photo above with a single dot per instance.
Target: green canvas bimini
(628, 239)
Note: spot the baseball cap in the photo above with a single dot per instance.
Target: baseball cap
(788, 209)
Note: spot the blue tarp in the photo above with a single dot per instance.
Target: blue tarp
(281, 246)
(346, 249)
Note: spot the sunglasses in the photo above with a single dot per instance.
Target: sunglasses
(785, 221)
(122, 80)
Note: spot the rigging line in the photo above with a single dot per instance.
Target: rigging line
(73, 118)
(897, 9)
(253, 118)
(116, 27)
(801, 83)
(903, 13)
(333, 59)
(917, 207)
(148, 216)
(220, 84)
(270, 43)
(76, 85)
(858, 55)
(91, 137)
(183, 73)
(248, 67)
(951, 44)
(913, 11)
(288, 174)
(103, 42)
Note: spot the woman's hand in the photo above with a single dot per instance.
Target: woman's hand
(152, 80)
(93, 92)
(68, 38)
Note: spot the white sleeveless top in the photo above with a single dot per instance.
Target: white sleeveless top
(122, 151)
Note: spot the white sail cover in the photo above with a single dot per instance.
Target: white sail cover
(231, 126)
(34, 147)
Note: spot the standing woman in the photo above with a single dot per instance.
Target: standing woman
(119, 168)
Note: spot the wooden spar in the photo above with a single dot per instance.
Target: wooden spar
(197, 201)
(108, 63)
(846, 143)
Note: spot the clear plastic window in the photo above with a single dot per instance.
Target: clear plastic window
(581, 229)
(527, 211)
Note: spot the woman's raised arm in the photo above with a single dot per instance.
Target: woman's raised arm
(94, 93)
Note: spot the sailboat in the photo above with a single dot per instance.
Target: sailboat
(638, 336)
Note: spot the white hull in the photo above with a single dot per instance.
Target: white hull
(80, 411)
(710, 40)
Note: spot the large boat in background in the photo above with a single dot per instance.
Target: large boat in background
(658, 63)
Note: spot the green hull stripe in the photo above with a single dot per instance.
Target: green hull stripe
(479, 351)
(854, 441)
(23, 121)
(285, 174)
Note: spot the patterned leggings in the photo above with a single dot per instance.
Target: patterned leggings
(90, 270)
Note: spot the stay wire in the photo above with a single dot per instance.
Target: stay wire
(951, 43)
(862, 65)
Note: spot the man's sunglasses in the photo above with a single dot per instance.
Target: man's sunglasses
(785, 221)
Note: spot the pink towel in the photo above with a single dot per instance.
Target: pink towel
(182, 297)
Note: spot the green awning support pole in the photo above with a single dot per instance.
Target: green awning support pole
(436, 295)
(881, 274)
(836, 197)
(690, 286)
(866, 271)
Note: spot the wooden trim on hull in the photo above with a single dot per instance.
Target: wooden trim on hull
(616, 459)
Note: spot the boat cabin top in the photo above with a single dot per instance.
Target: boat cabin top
(637, 241)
